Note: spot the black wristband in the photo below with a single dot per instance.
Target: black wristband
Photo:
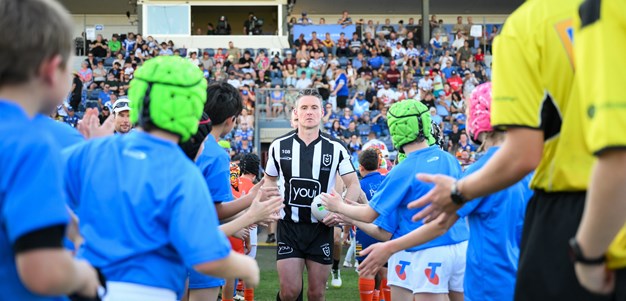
(577, 256)
(49, 237)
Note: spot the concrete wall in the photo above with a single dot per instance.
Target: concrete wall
(255, 42)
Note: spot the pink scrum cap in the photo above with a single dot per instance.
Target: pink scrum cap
(479, 117)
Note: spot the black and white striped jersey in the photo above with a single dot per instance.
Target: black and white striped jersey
(306, 171)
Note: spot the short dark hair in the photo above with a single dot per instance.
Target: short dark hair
(223, 102)
(369, 159)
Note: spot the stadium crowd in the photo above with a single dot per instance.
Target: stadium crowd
(358, 75)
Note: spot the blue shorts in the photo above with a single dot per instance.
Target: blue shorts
(364, 241)
(201, 281)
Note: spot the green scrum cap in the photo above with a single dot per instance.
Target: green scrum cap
(409, 120)
(169, 92)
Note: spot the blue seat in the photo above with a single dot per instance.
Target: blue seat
(343, 61)
(277, 81)
(210, 51)
(94, 95)
(183, 51)
(108, 62)
(252, 52)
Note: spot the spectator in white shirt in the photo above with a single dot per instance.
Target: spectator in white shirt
(425, 84)
(305, 20)
(386, 95)
(459, 40)
(398, 53)
(233, 80)
(443, 61)
(194, 59)
(303, 82)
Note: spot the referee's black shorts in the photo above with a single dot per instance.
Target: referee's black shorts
(312, 241)
(545, 270)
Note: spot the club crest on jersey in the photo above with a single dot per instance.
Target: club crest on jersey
(326, 159)
(326, 249)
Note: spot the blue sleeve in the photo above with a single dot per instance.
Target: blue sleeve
(71, 158)
(33, 195)
(469, 207)
(391, 192)
(388, 223)
(217, 176)
(193, 227)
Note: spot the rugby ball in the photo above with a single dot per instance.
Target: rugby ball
(317, 208)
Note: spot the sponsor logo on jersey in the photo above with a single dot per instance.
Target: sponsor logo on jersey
(303, 191)
(401, 269)
(431, 272)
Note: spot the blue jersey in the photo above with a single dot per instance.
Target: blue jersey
(369, 185)
(63, 134)
(153, 219)
(31, 192)
(400, 187)
(342, 79)
(495, 232)
(214, 163)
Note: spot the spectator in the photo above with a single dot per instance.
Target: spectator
(152, 43)
(429, 100)
(300, 41)
(99, 47)
(349, 131)
(410, 38)
(435, 118)
(448, 69)
(233, 80)
(413, 92)
(142, 52)
(317, 63)
(132, 59)
(386, 95)
(335, 130)
(393, 74)
(314, 39)
(480, 74)
(303, 54)
(303, 82)
(245, 132)
(437, 44)
(245, 117)
(456, 82)
(77, 91)
(459, 40)
(355, 44)
(459, 27)
(345, 19)
(304, 20)
(359, 104)
(328, 43)
(104, 114)
(437, 82)
(99, 74)
(426, 57)
(342, 46)
(469, 84)
(306, 69)
(114, 45)
(289, 76)
(425, 84)
(129, 44)
(71, 118)
(494, 32)
(223, 27)
(398, 53)
(386, 29)
(467, 31)
(379, 122)
(85, 74)
(364, 128)
(341, 89)
(357, 62)
(354, 144)
(193, 58)
(370, 28)
(277, 101)
(464, 53)
(165, 50)
(329, 116)
(113, 82)
(246, 64)
(206, 61)
(92, 62)
(247, 80)
(262, 64)
(276, 68)
(234, 51)
(105, 95)
(376, 61)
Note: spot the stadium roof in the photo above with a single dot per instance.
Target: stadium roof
(355, 7)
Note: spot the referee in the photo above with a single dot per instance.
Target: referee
(304, 164)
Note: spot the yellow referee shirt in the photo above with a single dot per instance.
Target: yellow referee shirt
(601, 72)
(533, 77)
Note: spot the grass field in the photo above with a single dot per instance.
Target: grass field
(266, 257)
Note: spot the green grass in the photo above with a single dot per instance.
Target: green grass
(266, 257)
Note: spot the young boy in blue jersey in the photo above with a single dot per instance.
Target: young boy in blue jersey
(153, 222)
(223, 105)
(35, 74)
(434, 270)
(495, 220)
(370, 286)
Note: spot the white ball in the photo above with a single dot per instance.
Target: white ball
(317, 208)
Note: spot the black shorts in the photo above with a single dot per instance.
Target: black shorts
(545, 270)
(304, 240)
(342, 101)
